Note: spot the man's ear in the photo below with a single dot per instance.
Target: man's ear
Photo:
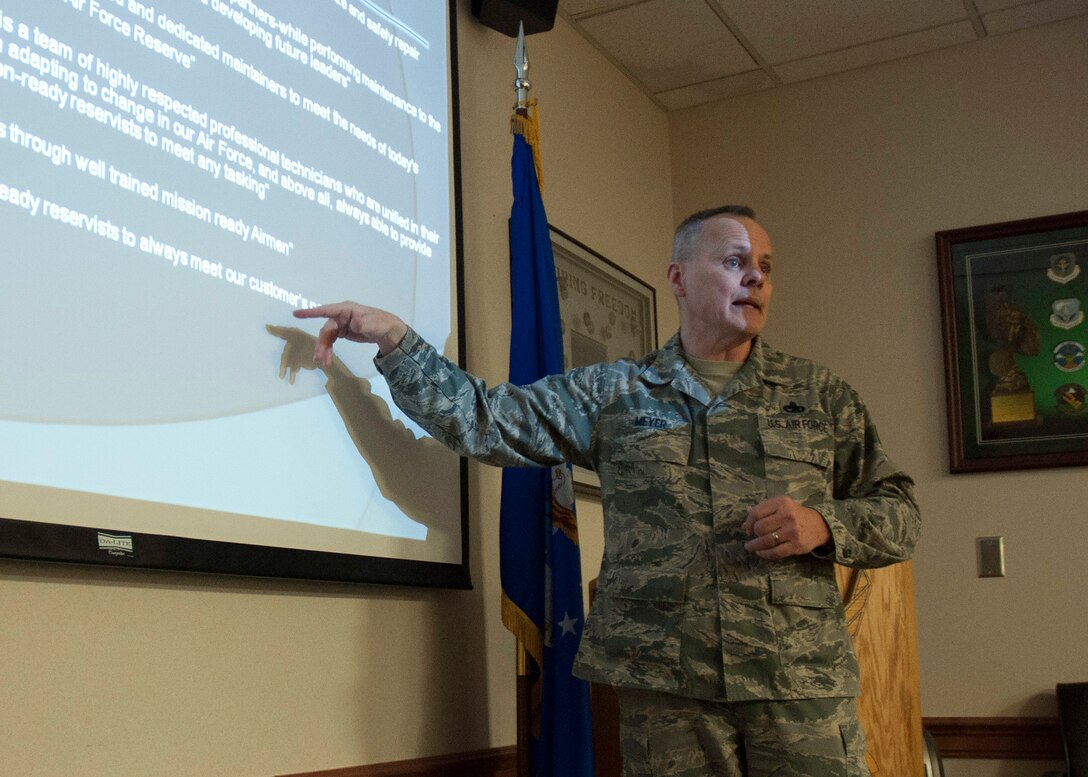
(675, 274)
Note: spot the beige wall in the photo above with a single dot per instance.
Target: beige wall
(138, 673)
(852, 175)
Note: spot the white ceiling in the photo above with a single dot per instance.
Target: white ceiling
(688, 52)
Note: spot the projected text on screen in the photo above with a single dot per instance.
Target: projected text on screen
(175, 177)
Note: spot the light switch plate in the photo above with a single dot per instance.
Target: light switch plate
(991, 556)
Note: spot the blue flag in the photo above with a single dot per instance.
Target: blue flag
(538, 534)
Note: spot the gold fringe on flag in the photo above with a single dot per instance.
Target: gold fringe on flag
(527, 124)
(517, 622)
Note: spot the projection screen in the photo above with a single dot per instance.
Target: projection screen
(177, 176)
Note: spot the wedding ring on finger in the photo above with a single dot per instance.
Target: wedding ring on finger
(774, 536)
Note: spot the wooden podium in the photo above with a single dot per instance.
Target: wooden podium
(880, 612)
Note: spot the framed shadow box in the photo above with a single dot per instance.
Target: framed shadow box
(1013, 298)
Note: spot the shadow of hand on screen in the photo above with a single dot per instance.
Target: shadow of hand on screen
(419, 475)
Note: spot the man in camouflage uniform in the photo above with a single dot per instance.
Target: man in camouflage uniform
(733, 477)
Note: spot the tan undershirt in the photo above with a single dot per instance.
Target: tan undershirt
(714, 374)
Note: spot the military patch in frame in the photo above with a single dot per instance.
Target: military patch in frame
(1012, 302)
(606, 313)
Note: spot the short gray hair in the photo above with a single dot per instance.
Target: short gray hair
(683, 241)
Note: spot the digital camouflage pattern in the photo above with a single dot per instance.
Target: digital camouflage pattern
(681, 606)
(662, 734)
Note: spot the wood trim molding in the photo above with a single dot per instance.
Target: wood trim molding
(496, 762)
(1001, 738)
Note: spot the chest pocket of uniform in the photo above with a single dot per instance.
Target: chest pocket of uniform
(798, 460)
(796, 446)
(653, 447)
(646, 518)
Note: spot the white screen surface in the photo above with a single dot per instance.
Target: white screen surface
(175, 178)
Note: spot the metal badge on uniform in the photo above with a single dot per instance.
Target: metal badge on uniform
(1069, 356)
(793, 407)
(1063, 268)
(1070, 398)
(1066, 313)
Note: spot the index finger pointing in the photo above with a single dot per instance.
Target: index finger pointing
(321, 311)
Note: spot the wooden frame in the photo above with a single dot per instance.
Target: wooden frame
(1013, 296)
(607, 314)
(1020, 738)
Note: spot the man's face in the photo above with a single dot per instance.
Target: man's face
(726, 286)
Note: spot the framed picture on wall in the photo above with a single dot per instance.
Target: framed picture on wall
(606, 313)
(1013, 300)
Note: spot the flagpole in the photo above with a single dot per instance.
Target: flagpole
(539, 557)
(524, 690)
(524, 713)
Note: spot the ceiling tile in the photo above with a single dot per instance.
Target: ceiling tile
(575, 7)
(1032, 14)
(719, 89)
(689, 52)
(986, 6)
(877, 51)
(786, 30)
(669, 43)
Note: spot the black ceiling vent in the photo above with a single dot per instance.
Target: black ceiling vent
(504, 15)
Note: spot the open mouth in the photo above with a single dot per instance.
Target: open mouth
(751, 303)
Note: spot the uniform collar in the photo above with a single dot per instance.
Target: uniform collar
(668, 365)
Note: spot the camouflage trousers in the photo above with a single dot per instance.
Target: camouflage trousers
(663, 735)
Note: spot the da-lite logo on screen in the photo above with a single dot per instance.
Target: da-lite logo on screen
(115, 544)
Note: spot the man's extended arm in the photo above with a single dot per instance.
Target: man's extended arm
(542, 424)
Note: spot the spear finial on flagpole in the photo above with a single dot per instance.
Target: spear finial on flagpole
(521, 63)
(524, 122)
